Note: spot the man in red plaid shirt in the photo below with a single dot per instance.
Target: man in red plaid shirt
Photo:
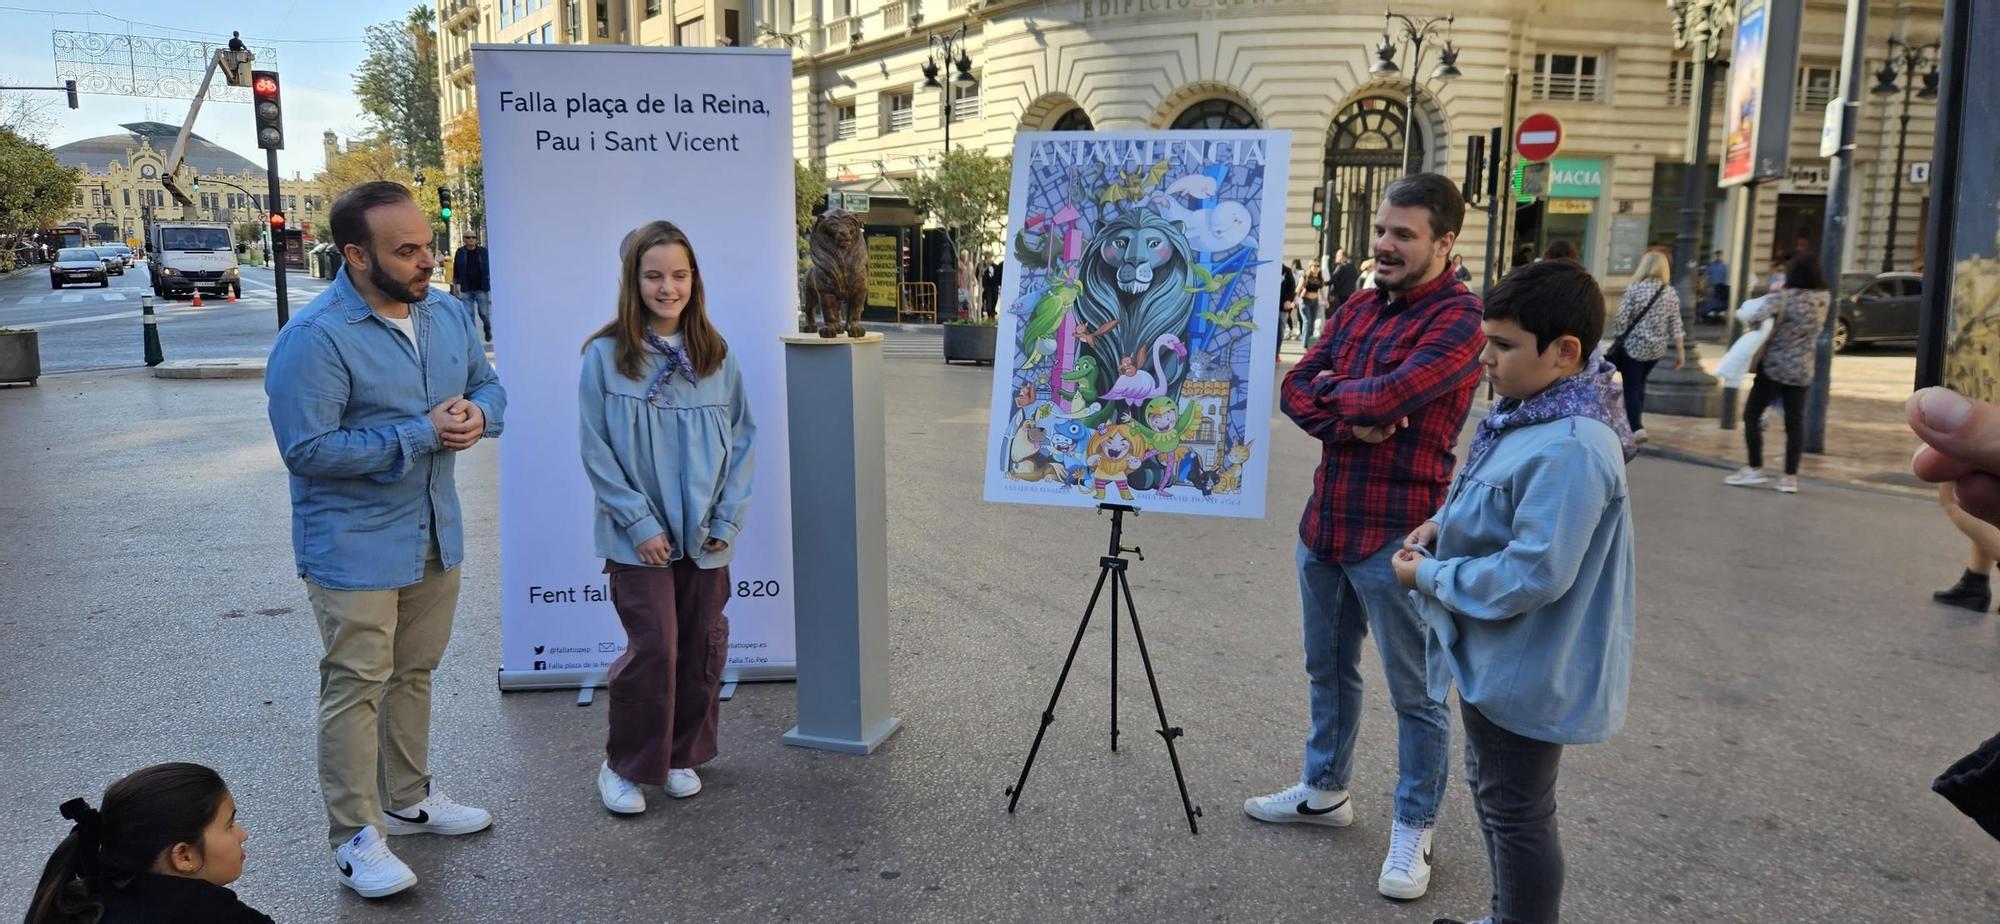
(1386, 391)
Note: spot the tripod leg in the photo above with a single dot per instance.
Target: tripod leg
(1114, 660)
(1049, 714)
(1167, 732)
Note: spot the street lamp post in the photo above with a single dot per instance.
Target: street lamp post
(1908, 58)
(1414, 34)
(948, 50)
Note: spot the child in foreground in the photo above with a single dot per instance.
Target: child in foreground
(1524, 578)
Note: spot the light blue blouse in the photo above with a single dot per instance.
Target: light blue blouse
(679, 463)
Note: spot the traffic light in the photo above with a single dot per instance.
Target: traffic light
(270, 120)
(197, 183)
(277, 223)
(444, 202)
(70, 85)
(1319, 206)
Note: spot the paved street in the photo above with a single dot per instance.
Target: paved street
(1794, 692)
(85, 327)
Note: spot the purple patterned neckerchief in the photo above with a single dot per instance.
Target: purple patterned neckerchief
(1593, 394)
(676, 362)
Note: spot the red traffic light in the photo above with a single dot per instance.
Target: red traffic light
(264, 85)
(277, 221)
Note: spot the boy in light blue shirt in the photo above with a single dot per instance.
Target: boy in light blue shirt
(1524, 578)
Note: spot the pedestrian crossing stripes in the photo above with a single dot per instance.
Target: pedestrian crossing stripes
(913, 346)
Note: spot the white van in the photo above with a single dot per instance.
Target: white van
(187, 256)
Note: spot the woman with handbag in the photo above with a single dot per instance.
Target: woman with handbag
(1784, 370)
(1649, 317)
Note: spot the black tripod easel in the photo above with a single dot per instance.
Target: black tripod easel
(1112, 568)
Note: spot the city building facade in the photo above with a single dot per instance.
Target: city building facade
(120, 186)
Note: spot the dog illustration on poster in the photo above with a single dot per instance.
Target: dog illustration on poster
(1141, 295)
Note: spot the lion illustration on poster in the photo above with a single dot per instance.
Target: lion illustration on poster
(1135, 272)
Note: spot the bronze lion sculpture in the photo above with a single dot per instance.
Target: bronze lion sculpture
(837, 283)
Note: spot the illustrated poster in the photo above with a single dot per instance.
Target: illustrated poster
(1139, 320)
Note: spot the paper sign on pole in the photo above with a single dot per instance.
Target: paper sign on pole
(582, 145)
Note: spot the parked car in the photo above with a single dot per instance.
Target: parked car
(1882, 307)
(78, 264)
(114, 262)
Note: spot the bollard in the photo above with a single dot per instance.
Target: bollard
(152, 324)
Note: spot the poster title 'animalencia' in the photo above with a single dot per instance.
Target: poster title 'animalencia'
(1071, 153)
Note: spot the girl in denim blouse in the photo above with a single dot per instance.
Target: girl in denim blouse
(666, 438)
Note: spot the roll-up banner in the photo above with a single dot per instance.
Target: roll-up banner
(580, 146)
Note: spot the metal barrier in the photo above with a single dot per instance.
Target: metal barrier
(919, 301)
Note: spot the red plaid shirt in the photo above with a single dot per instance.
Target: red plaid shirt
(1383, 361)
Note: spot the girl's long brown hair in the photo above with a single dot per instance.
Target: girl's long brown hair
(705, 347)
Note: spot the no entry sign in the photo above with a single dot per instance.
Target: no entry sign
(1539, 137)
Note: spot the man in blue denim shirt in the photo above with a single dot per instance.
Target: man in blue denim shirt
(373, 388)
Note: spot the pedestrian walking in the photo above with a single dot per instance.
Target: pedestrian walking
(1649, 318)
(472, 281)
(162, 849)
(667, 440)
(1344, 280)
(989, 287)
(1367, 274)
(1974, 589)
(1288, 300)
(1524, 577)
(1386, 392)
(1311, 288)
(1784, 369)
(354, 384)
(1717, 276)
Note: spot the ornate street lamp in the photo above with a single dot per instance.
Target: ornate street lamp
(1908, 58)
(1414, 34)
(948, 50)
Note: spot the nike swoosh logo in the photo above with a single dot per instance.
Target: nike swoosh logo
(346, 870)
(1305, 807)
(423, 817)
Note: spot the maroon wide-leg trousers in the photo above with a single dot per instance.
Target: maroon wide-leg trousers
(666, 687)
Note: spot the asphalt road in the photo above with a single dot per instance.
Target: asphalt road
(86, 327)
(1794, 692)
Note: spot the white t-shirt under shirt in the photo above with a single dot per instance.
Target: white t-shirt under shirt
(408, 325)
(677, 341)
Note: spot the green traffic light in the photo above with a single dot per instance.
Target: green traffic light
(1319, 221)
(444, 213)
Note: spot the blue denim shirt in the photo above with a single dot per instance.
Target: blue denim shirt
(372, 485)
(1529, 599)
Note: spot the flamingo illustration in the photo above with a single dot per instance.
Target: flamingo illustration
(1136, 386)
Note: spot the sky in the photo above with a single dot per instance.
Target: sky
(318, 47)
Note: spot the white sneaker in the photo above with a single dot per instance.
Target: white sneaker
(1747, 477)
(1788, 484)
(619, 794)
(1639, 436)
(437, 814)
(1303, 804)
(682, 783)
(1406, 872)
(367, 866)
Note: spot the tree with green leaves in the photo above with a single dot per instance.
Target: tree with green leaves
(397, 86)
(35, 189)
(808, 191)
(966, 192)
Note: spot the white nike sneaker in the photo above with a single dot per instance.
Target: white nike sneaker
(1747, 477)
(368, 867)
(437, 814)
(682, 783)
(619, 794)
(1406, 872)
(1304, 805)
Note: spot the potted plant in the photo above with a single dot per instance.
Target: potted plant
(21, 356)
(970, 340)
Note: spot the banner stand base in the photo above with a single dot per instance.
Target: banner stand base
(840, 542)
(584, 682)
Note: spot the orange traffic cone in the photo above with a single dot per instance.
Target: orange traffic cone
(231, 292)
(197, 298)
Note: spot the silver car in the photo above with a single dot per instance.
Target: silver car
(114, 261)
(78, 264)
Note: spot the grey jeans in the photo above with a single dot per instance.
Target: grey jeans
(1513, 780)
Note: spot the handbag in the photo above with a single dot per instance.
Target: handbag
(1617, 350)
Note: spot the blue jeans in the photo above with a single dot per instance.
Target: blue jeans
(1342, 602)
(481, 302)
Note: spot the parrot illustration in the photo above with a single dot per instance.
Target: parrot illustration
(1045, 318)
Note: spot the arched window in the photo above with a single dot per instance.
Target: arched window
(1075, 120)
(1215, 113)
(1364, 154)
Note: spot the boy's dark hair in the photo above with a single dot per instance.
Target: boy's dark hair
(1550, 299)
(1802, 272)
(1434, 192)
(349, 216)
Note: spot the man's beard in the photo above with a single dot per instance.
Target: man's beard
(391, 286)
(1413, 274)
